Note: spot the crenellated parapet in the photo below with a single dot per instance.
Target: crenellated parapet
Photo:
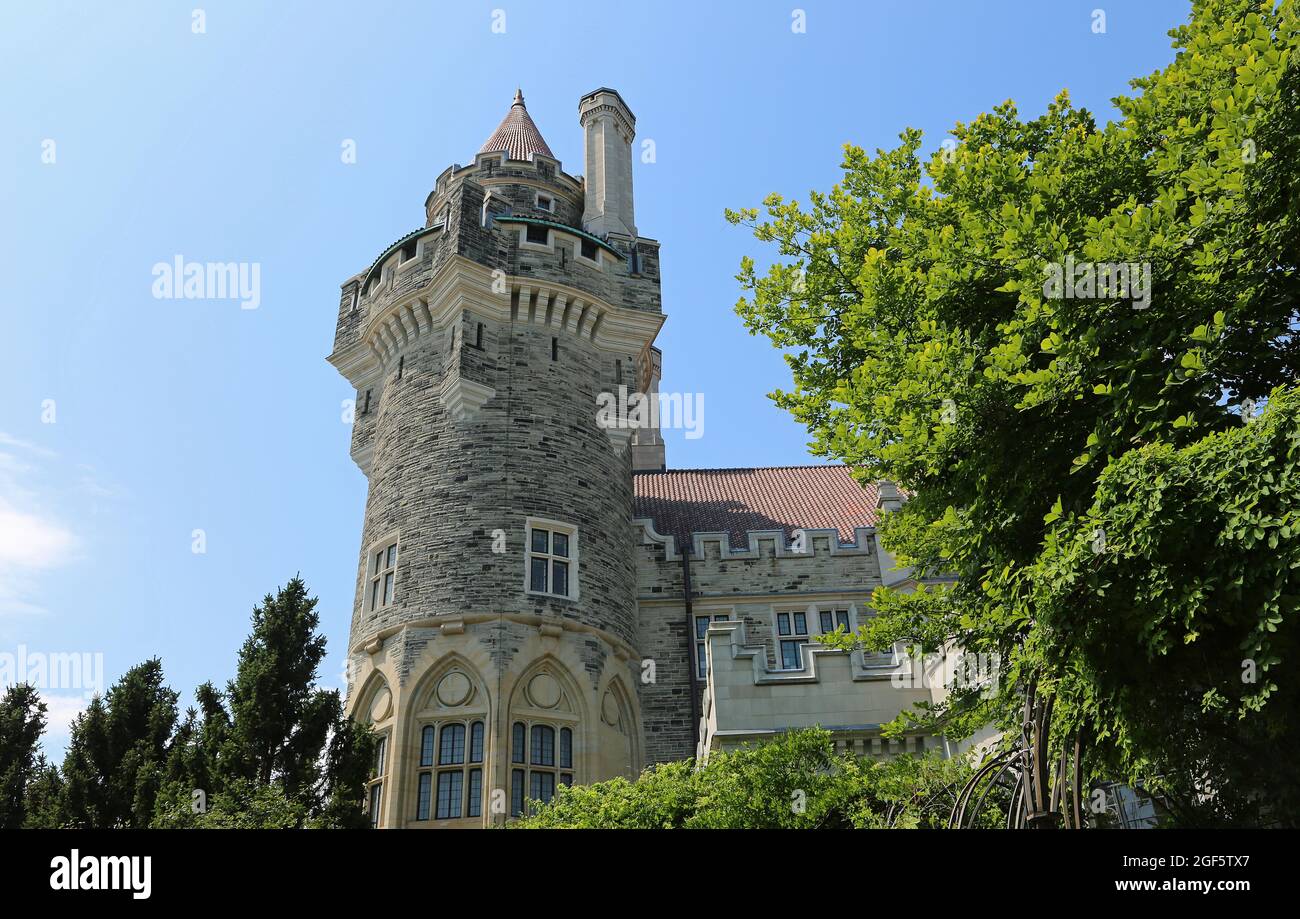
(841, 691)
(811, 541)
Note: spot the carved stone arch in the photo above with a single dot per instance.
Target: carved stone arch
(375, 705)
(547, 686)
(616, 707)
(619, 730)
(452, 683)
(546, 697)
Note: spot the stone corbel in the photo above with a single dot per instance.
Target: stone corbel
(619, 437)
(463, 398)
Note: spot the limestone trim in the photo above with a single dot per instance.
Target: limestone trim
(461, 284)
(729, 637)
(456, 623)
(707, 600)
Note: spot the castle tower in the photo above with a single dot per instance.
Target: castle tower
(493, 643)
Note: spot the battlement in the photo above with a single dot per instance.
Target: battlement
(497, 169)
(762, 543)
(846, 692)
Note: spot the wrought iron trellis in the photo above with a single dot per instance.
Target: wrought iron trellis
(1021, 777)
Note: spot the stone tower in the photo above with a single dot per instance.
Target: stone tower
(493, 639)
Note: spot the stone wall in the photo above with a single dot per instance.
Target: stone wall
(748, 585)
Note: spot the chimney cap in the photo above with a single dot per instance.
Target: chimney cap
(582, 103)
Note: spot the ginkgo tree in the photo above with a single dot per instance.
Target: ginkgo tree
(1073, 344)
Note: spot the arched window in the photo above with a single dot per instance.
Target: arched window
(541, 763)
(378, 769)
(453, 787)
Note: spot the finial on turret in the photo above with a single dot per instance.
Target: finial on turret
(519, 96)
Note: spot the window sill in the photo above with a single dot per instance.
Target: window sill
(538, 595)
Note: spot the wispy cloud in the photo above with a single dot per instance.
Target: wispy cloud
(32, 540)
(7, 440)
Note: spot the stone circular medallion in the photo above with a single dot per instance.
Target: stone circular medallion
(609, 709)
(453, 689)
(544, 691)
(382, 707)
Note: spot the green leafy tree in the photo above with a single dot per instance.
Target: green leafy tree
(796, 781)
(116, 752)
(22, 721)
(1079, 452)
(934, 343)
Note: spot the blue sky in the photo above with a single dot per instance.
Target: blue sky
(175, 415)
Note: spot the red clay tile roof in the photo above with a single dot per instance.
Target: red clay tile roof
(735, 501)
(517, 134)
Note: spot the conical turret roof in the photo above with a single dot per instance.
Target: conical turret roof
(517, 134)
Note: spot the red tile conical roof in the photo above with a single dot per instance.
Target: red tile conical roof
(517, 134)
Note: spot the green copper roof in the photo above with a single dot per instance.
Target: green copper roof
(561, 226)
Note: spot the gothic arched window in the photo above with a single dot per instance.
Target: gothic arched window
(451, 787)
(542, 755)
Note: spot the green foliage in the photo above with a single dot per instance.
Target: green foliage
(664, 797)
(271, 751)
(241, 805)
(43, 800)
(928, 347)
(271, 735)
(116, 751)
(277, 718)
(1192, 604)
(796, 781)
(22, 720)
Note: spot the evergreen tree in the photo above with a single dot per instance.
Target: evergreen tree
(278, 721)
(272, 744)
(22, 721)
(117, 751)
(44, 798)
